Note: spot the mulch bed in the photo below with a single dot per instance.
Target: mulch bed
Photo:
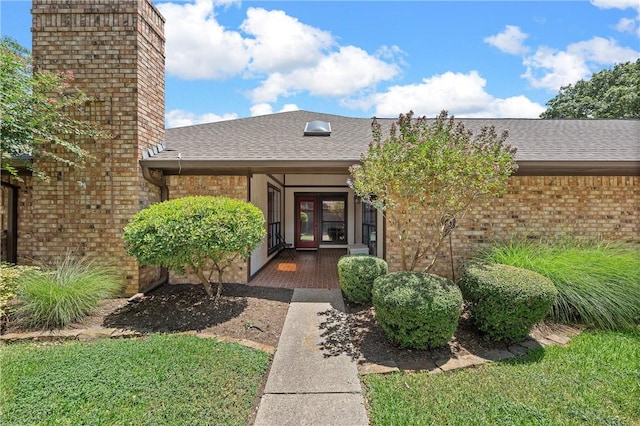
(258, 314)
(242, 312)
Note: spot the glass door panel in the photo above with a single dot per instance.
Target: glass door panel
(306, 222)
(333, 221)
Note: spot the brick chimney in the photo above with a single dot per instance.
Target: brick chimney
(115, 48)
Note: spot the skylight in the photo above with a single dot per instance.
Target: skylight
(317, 128)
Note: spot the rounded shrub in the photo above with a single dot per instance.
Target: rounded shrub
(416, 309)
(506, 301)
(204, 234)
(357, 273)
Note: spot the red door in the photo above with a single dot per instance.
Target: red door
(306, 222)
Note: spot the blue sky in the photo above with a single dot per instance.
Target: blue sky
(227, 59)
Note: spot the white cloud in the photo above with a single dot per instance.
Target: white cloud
(180, 118)
(274, 86)
(265, 108)
(515, 107)
(551, 69)
(616, 4)
(509, 41)
(289, 107)
(603, 51)
(463, 95)
(261, 109)
(281, 43)
(197, 46)
(283, 54)
(338, 74)
(626, 25)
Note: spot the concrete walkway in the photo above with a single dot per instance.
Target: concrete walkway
(307, 384)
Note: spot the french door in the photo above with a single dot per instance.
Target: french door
(306, 222)
(320, 219)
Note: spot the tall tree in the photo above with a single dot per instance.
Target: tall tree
(39, 113)
(613, 93)
(425, 175)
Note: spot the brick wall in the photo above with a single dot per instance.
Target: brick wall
(544, 207)
(227, 186)
(116, 52)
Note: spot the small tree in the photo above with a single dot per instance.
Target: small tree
(38, 113)
(426, 174)
(203, 234)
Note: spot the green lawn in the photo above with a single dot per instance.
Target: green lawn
(593, 381)
(159, 380)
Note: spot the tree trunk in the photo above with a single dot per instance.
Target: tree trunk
(205, 282)
(219, 291)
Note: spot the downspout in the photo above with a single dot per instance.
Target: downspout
(249, 176)
(164, 196)
(164, 189)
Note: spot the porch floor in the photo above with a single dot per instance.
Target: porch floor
(309, 269)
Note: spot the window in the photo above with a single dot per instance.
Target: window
(369, 219)
(274, 217)
(334, 219)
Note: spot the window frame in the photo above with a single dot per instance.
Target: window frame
(274, 218)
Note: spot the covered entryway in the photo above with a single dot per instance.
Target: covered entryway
(307, 269)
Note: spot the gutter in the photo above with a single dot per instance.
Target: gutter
(578, 168)
(172, 166)
(175, 166)
(164, 196)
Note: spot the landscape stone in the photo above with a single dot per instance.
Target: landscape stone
(497, 355)
(373, 368)
(96, 334)
(562, 340)
(454, 364)
(416, 365)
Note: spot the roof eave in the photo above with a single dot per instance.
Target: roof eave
(243, 167)
(22, 166)
(578, 168)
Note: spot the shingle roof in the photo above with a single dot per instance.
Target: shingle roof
(280, 137)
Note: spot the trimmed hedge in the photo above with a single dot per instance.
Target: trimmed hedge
(416, 309)
(204, 234)
(357, 273)
(506, 301)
